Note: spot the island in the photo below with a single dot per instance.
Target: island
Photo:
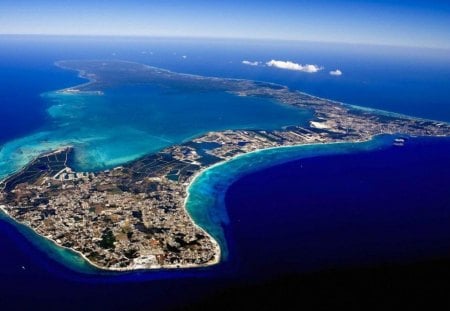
(133, 216)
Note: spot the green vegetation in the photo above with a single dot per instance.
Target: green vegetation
(131, 253)
(108, 239)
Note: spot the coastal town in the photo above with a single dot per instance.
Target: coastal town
(134, 216)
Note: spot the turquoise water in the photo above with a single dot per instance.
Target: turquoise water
(126, 123)
(205, 202)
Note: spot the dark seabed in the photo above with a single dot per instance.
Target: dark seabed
(362, 208)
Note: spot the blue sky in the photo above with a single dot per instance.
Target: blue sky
(408, 22)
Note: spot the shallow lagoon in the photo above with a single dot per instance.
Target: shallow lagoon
(129, 122)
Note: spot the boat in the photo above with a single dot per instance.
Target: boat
(399, 142)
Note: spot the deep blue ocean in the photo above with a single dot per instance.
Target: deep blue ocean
(336, 207)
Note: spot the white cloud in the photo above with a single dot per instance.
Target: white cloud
(293, 66)
(336, 72)
(250, 63)
(184, 56)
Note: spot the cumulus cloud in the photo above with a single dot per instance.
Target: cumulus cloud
(288, 65)
(184, 56)
(250, 63)
(336, 72)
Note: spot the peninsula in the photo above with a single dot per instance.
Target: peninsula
(133, 216)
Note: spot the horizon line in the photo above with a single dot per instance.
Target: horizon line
(131, 36)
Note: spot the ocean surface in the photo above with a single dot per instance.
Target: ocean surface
(291, 210)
